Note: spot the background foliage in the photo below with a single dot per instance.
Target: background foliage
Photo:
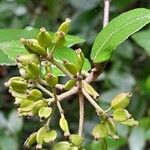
(128, 69)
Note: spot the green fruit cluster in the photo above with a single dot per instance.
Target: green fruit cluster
(118, 114)
(37, 79)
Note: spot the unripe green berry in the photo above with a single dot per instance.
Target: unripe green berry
(80, 59)
(51, 80)
(38, 105)
(69, 84)
(50, 136)
(90, 90)
(64, 125)
(33, 70)
(40, 135)
(121, 115)
(121, 100)
(72, 68)
(111, 128)
(64, 145)
(65, 26)
(99, 131)
(59, 39)
(130, 122)
(44, 38)
(30, 140)
(35, 95)
(45, 112)
(33, 46)
(26, 58)
(76, 139)
(17, 84)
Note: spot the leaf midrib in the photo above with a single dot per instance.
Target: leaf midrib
(117, 31)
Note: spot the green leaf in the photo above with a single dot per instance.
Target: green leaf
(67, 53)
(143, 39)
(117, 31)
(12, 47)
(5, 60)
(16, 34)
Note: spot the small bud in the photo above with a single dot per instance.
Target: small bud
(19, 95)
(72, 68)
(121, 100)
(76, 140)
(40, 135)
(25, 108)
(7, 84)
(30, 140)
(89, 89)
(33, 70)
(130, 122)
(59, 39)
(25, 42)
(65, 26)
(23, 72)
(64, 145)
(26, 58)
(18, 84)
(45, 112)
(50, 136)
(99, 131)
(26, 103)
(121, 115)
(112, 131)
(38, 105)
(33, 47)
(51, 80)
(35, 95)
(69, 84)
(64, 125)
(80, 59)
(44, 38)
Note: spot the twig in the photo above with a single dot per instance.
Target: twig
(57, 102)
(81, 108)
(99, 110)
(59, 86)
(64, 95)
(50, 55)
(61, 67)
(44, 90)
(106, 12)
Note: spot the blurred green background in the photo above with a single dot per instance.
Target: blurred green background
(128, 70)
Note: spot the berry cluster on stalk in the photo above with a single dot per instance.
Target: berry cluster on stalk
(37, 79)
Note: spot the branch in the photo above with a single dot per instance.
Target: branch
(44, 90)
(65, 95)
(106, 12)
(99, 110)
(61, 67)
(98, 69)
(81, 109)
(57, 101)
